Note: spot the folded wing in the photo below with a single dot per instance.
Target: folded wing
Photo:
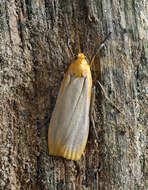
(69, 125)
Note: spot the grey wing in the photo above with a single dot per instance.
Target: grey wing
(69, 124)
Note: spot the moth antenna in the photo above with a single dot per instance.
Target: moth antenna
(98, 48)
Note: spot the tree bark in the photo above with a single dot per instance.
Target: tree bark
(38, 40)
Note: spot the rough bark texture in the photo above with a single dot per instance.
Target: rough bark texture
(35, 41)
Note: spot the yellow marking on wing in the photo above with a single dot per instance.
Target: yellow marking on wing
(65, 151)
(80, 67)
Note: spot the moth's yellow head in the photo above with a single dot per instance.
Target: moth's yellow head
(81, 56)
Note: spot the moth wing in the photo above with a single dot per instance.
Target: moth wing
(69, 125)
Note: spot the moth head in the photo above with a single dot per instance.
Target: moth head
(81, 56)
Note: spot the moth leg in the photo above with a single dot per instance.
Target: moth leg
(92, 111)
(109, 99)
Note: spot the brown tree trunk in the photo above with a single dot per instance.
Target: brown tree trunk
(38, 40)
